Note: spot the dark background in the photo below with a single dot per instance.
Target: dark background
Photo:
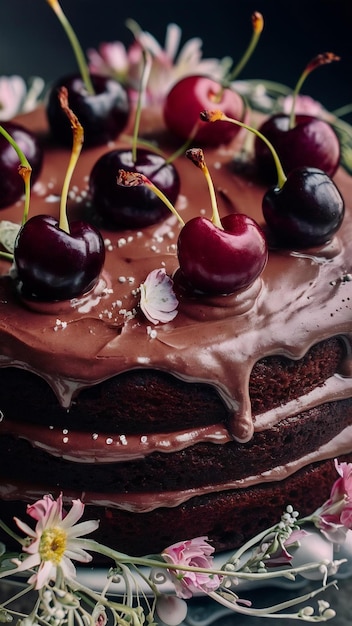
(32, 41)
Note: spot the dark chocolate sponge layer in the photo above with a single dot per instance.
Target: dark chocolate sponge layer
(144, 401)
(196, 466)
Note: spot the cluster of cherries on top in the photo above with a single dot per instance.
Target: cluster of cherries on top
(304, 210)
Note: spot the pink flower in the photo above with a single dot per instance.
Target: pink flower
(282, 556)
(334, 518)
(168, 65)
(110, 60)
(16, 97)
(158, 301)
(194, 553)
(55, 540)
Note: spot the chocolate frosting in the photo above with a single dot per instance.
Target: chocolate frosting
(301, 298)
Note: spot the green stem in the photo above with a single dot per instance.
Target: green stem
(264, 612)
(25, 171)
(78, 52)
(182, 149)
(13, 535)
(166, 201)
(258, 23)
(196, 155)
(345, 110)
(77, 143)
(147, 65)
(6, 255)
(318, 61)
(295, 93)
(212, 116)
(146, 561)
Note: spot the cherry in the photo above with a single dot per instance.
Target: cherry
(132, 208)
(11, 184)
(305, 208)
(215, 256)
(192, 94)
(100, 103)
(221, 260)
(311, 142)
(306, 211)
(103, 114)
(52, 264)
(299, 139)
(55, 260)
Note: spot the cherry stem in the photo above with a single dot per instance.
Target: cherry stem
(78, 52)
(342, 111)
(136, 179)
(180, 151)
(213, 116)
(147, 66)
(78, 136)
(196, 155)
(24, 171)
(257, 26)
(6, 255)
(320, 59)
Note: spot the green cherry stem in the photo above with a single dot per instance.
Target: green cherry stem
(147, 66)
(136, 179)
(196, 155)
(257, 29)
(182, 149)
(78, 137)
(24, 171)
(213, 116)
(78, 52)
(320, 59)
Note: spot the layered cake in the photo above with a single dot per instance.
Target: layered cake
(210, 423)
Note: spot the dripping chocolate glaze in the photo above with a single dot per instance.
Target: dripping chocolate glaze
(300, 299)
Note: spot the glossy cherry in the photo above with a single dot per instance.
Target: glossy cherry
(136, 207)
(189, 97)
(103, 114)
(11, 183)
(311, 142)
(306, 211)
(54, 265)
(217, 261)
(193, 94)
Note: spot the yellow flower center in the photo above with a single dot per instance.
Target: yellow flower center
(53, 545)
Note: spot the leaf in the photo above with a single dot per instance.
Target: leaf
(344, 133)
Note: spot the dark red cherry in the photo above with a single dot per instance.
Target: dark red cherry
(311, 142)
(217, 261)
(54, 265)
(193, 94)
(11, 183)
(103, 115)
(307, 210)
(132, 207)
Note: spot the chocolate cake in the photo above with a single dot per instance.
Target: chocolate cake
(209, 424)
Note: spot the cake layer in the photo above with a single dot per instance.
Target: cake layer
(169, 404)
(210, 424)
(82, 461)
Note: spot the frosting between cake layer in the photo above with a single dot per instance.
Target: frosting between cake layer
(144, 502)
(111, 447)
